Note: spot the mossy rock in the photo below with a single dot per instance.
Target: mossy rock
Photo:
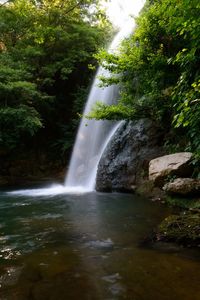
(183, 228)
(183, 202)
(147, 189)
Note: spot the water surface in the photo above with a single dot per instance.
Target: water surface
(89, 247)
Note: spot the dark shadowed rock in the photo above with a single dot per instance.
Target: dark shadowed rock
(125, 161)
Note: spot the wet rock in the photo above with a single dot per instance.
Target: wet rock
(169, 165)
(183, 186)
(148, 190)
(125, 161)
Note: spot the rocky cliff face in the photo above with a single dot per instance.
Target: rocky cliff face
(126, 159)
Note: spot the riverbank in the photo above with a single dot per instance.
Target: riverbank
(183, 227)
(30, 169)
(7, 182)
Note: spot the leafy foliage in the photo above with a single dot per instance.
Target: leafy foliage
(158, 70)
(102, 111)
(45, 49)
(16, 122)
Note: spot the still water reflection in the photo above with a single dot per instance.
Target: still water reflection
(89, 247)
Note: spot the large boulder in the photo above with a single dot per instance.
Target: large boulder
(183, 186)
(177, 164)
(125, 161)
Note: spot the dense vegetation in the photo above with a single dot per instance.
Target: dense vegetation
(158, 71)
(45, 49)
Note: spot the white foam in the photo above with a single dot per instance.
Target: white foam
(52, 190)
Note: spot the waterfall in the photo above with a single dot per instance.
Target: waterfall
(93, 136)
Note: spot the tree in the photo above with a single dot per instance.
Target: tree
(158, 70)
(45, 49)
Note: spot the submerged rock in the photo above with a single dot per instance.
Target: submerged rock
(183, 186)
(125, 161)
(169, 165)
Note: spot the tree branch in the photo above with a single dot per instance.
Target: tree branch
(75, 6)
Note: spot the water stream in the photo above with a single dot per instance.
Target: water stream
(93, 136)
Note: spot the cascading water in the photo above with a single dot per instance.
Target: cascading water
(93, 136)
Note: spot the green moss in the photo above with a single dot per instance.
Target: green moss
(185, 203)
(145, 188)
(183, 228)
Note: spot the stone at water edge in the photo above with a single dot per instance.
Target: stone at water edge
(124, 163)
(169, 165)
(183, 229)
(183, 186)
